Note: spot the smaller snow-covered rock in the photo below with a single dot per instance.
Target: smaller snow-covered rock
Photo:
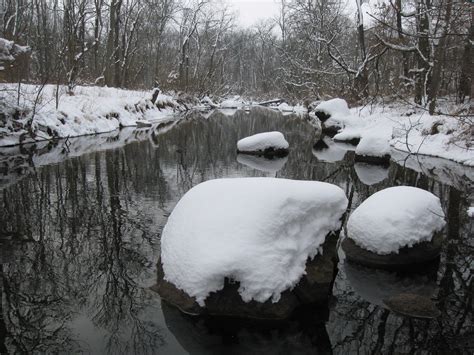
(373, 149)
(334, 108)
(267, 143)
(395, 218)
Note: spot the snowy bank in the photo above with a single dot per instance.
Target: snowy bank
(380, 127)
(90, 110)
(272, 143)
(395, 218)
(258, 232)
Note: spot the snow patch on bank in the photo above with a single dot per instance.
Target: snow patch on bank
(90, 110)
(408, 130)
(394, 218)
(257, 231)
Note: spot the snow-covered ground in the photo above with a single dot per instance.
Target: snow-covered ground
(32, 115)
(394, 218)
(257, 231)
(262, 141)
(414, 131)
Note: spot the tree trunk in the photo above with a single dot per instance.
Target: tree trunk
(465, 80)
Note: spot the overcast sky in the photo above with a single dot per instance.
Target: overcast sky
(250, 11)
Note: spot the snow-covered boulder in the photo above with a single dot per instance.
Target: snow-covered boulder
(233, 103)
(284, 107)
(267, 143)
(334, 108)
(395, 227)
(373, 149)
(262, 163)
(208, 101)
(256, 250)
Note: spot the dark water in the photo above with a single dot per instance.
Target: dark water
(81, 237)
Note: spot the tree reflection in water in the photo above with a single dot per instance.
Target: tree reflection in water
(80, 240)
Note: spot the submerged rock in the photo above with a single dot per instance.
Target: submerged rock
(408, 293)
(413, 305)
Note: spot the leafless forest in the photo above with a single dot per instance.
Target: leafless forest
(415, 50)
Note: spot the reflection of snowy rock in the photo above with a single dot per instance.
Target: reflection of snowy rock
(385, 288)
(261, 163)
(267, 143)
(370, 174)
(221, 336)
(373, 149)
(242, 254)
(394, 227)
(470, 212)
(329, 151)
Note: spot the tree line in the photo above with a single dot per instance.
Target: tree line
(415, 49)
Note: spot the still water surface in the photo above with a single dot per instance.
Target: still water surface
(81, 238)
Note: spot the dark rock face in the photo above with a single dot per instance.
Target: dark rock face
(383, 160)
(330, 130)
(268, 152)
(420, 253)
(323, 116)
(313, 288)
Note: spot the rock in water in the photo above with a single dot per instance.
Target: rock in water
(239, 246)
(395, 227)
(267, 143)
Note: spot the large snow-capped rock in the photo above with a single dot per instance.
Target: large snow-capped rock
(394, 218)
(267, 142)
(256, 232)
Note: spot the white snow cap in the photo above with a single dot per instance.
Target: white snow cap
(470, 212)
(373, 145)
(257, 231)
(394, 218)
(334, 107)
(262, 141)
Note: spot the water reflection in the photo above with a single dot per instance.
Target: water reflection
(84, 234)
